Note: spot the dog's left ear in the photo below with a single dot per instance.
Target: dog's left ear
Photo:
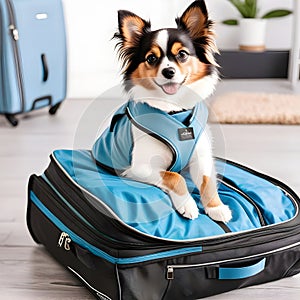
(196, 23)
(195, 19)
(131, 28)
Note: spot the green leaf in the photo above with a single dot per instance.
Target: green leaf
(231, 22)
(278, 13)
(252, 8)
(251, 2)
(241, 7)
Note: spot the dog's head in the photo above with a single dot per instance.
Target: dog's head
(160, 63)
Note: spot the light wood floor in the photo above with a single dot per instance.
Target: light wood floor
(28, 272)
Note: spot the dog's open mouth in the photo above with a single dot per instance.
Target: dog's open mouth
(170, 88)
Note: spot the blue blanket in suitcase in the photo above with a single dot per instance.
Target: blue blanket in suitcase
(253, 200)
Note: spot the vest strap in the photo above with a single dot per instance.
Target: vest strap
(169, 130)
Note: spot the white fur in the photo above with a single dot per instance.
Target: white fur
(162, 40)
(185, 205)
(205, 86)
(220, 213)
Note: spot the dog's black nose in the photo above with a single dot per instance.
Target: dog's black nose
(169, 73)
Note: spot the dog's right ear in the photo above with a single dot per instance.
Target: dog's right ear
(131, 28)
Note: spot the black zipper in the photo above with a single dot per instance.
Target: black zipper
(15, 37)
(234, 187)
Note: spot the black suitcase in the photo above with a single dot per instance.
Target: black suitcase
(124, 240)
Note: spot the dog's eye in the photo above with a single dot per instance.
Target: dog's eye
(151, 59)
(182, 56)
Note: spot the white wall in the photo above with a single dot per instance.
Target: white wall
(93, 67)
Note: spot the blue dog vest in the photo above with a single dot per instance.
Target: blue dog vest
(179, 131)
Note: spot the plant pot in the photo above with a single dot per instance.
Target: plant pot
(252, 34)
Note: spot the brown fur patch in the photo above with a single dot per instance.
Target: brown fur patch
(174, 182)
(132, 26)
(195, 21)
(143, 75)
(154, 50)
(209, 193)
(176, 47)
(195, 68)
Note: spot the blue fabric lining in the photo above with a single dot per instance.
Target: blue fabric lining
(272, 201)
(149, 210)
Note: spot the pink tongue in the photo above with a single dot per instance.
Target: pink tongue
(170, 88)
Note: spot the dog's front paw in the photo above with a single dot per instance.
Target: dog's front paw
(189, 210)
(219, 213)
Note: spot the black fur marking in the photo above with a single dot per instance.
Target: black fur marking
(176, 35)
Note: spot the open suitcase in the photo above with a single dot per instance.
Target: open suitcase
(124, 240)
(33, 64)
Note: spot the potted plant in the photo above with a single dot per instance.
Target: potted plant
(252, 24)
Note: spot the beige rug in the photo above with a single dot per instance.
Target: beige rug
(256, 108)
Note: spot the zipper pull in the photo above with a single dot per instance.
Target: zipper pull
(64, 240)
(67, 243)
(14, 32)
(61, 239)
(170, 273)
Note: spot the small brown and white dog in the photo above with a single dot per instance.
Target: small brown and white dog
(165, 69)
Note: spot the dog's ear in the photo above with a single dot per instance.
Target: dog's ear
(195, 19)
(131, 28)
(196, 23)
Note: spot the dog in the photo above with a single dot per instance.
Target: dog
(167, 74)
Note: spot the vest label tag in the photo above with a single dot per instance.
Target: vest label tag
(186, 134)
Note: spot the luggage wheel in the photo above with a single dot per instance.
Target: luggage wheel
(12, 119)
(53, 109)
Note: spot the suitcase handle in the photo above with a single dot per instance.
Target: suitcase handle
(231, 273)
(45, 67)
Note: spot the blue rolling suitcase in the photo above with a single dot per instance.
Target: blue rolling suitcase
(33, 64)
(124, 240)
